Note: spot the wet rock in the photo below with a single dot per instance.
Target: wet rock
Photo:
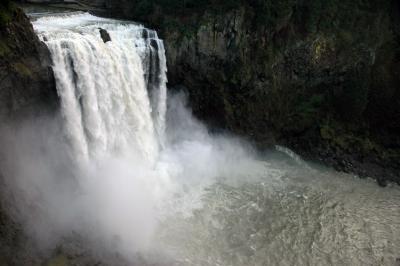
(104, 35)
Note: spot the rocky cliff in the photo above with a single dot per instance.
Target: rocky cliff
(27, 89)
(319, 77)
(26, 78)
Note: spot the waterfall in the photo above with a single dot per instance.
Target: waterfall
(113, 94)
(155, 65)
(198, 198)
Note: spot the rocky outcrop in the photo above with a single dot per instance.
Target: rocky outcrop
(27, 84)
(105, 36)
(27, 89)
(321, 77)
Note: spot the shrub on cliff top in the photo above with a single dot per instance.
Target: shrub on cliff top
(5, 3)
(144, 8)
(5, 12)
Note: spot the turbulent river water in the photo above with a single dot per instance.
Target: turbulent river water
(151, 184)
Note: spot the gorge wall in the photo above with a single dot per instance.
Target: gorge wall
(27, 89)
(320, 77)
(26, 78)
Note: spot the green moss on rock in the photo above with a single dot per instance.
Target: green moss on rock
(4, 49)
(22, 70)
(59, 260)
(6, 10)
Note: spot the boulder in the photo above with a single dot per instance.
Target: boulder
(105, 35)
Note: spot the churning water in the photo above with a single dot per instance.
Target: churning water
(150, 181)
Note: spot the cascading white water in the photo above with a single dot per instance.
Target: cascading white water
(113, 95)
(155, 65)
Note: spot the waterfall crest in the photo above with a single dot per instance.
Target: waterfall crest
(113, 95)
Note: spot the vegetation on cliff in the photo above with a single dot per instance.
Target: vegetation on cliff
(5, 12)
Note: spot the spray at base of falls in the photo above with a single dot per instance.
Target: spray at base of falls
(113, 104)
(115, 167)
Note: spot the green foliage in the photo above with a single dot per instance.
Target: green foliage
(59, 260)
(22, 69)
(304, 112)
(225, 5)
(313, 16)
(5, 17)
(5, 4)
(4, 49)
(270, 12)
(5, 12)
(142, 8)
(344, 138)
(311, 105)
(330, 15)
(350, 100)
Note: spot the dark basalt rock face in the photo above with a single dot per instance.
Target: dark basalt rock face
(321, 77)
(27, 89)
(27, 83)
(104, 35)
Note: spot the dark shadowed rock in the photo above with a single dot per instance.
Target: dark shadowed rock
(27, 88)
(104, 35)
(27, 84)
(276, 73)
